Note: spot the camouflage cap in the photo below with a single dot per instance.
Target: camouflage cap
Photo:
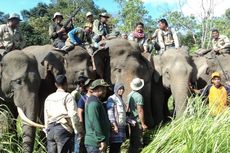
(99, 82)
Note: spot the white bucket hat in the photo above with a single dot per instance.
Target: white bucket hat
(14, 16)
(89, 14)
(57, 14)
(137, 84)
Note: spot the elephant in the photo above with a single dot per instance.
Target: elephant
(20, 82)
(172, 74)
(45, 86)
(204, 67)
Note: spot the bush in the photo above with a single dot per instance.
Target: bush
(196, 131)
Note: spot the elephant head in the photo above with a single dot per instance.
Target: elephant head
(20, 79)
(175, 70)
(124, 63)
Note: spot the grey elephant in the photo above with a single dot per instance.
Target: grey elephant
(20, 82)
(204, 67)
(172, 74)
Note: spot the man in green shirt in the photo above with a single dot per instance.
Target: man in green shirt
(97, 124)
(135, 107)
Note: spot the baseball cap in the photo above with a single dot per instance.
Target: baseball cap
(99, 82)
(215, 74)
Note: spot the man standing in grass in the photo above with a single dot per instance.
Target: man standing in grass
(135, 107)
(217, 94)
(97, 125)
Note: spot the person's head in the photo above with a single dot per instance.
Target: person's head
(104, 17)
(137, 84)
(119, 89)
(89, 17)
(216, 79)
(139, 27)
(80, 82)
(163, 24)
(99, 88)
(215, 34)
(87, 85)
(88, 27)
(58, 17)
(13, 20)
(61, 82)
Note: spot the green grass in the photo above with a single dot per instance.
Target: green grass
(11, 141)
(196, 131)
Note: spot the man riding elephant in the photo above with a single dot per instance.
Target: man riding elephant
(10, 36)
(57, 32)
(220, 44)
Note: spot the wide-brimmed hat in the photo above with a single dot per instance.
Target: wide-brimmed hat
(104, 14)
(57, 14)
(137, 84)
(215, 74)
(99, 82)
(14, 16)
(89, 14)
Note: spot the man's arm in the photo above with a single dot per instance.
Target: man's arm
(160, 40)
(72, 113)
(175, 38)
(140, 111)
(227, 42)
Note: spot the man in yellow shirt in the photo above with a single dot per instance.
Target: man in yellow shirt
(217, 94)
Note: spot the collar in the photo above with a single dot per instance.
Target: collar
(60, 90)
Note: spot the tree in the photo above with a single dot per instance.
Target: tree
(131, 12)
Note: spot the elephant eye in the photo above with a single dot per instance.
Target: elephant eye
(18, 81)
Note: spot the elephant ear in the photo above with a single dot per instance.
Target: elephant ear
(200, 66)
(156, 62)
(56, 61)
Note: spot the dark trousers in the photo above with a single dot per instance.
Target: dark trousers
(92, 149)
(58, 139)
(136, 139)
(115, 148)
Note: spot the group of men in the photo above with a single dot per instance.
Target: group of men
(94, 33)
(84, 114)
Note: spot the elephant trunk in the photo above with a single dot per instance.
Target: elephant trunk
(180, 93)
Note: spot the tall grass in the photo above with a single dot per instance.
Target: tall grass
(11, 138)
(195, 132)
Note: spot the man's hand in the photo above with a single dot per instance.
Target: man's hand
(228, 83)
(61, 30)
(103, 147)
(115, 129)
(144, 127)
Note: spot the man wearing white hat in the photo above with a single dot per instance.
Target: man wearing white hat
(10, 36)
(135, 107)
(89, 17)
(57, 32)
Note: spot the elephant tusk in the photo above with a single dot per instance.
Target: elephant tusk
(27, 120)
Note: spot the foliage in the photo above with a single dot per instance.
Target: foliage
(196, 131)
(132, 11)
